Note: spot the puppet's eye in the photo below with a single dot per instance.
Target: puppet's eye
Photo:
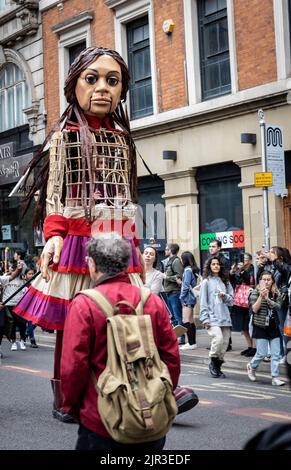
(91, 79)
(112, 81)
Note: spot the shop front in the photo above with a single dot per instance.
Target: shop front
(16, 151)
(220, 210)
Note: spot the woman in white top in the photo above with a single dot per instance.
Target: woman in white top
(154, 278)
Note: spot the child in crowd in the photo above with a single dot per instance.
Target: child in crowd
(29, 273)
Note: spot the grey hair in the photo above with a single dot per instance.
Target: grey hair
(110, 253)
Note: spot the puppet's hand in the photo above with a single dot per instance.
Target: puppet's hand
(51, 252)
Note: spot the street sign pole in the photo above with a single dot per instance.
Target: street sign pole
(261, 116)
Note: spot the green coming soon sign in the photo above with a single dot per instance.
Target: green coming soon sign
(235, 239)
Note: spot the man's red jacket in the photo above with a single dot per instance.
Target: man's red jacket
(85, 347)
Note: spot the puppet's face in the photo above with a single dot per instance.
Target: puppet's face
(99, 87)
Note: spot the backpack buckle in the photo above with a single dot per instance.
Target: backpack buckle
(131, 375)
(149, 367)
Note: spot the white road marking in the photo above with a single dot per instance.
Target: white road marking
(277, 415)
(34, 371)
(256, 388)
(249, 397)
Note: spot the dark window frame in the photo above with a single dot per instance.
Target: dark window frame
(139, 84)
(75, 49)
(220, 57)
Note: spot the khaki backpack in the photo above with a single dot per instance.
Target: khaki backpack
(135, 398)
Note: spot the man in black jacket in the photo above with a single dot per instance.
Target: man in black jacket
(215, 249)
(174, 271)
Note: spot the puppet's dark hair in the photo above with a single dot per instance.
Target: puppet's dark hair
(74, 113)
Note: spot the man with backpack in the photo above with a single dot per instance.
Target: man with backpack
(120, 360)
(174, 272)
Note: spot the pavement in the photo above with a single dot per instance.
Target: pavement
(233, 359)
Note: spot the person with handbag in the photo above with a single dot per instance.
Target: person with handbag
(265, 302)
(187, 297)
(242, 279)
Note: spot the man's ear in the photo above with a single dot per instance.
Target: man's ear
(94, 267)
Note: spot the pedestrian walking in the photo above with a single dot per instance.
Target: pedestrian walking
(85, 187)
(216, 295)
(11, 282)
(85, 347)
(174, 273)
(265, 303)
(8, 289)
(215, 250)
(188, 299)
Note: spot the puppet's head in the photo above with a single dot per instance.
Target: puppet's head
(98, 80)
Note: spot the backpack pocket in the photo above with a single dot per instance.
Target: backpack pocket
(140, 414)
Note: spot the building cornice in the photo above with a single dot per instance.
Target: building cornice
(47, 4)
(19, 22)
(73, 21)
(183, 119)
(254, 161)
(114, 3)
(174, 175)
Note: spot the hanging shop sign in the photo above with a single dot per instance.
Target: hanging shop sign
(6, 232)
(232, 239)
(6, 150)
(276, 159)
(12, 168)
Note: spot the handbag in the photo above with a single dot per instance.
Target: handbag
(241, 295)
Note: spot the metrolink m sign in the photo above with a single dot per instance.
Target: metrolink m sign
(232, 239)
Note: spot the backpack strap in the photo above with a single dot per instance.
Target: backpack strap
(144, 295)
(100, 300)
(107, 307)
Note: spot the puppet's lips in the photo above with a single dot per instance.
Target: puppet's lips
(101, 100)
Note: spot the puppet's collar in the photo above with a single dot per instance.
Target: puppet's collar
(96, 122)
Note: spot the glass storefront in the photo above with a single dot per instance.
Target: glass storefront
(16, 232)
(220, 209)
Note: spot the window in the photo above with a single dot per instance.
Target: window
(214, 48)
(3, 5)
(14, 97)
(140, 92)
(74, 35)
(75, 50)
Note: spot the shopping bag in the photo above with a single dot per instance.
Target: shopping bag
(241, 295)
(287, 324)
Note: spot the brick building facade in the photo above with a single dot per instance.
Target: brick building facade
(22, 113)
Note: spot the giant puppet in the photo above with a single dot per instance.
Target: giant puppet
(86, 185)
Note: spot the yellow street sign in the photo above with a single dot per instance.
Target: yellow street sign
(263, 179)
